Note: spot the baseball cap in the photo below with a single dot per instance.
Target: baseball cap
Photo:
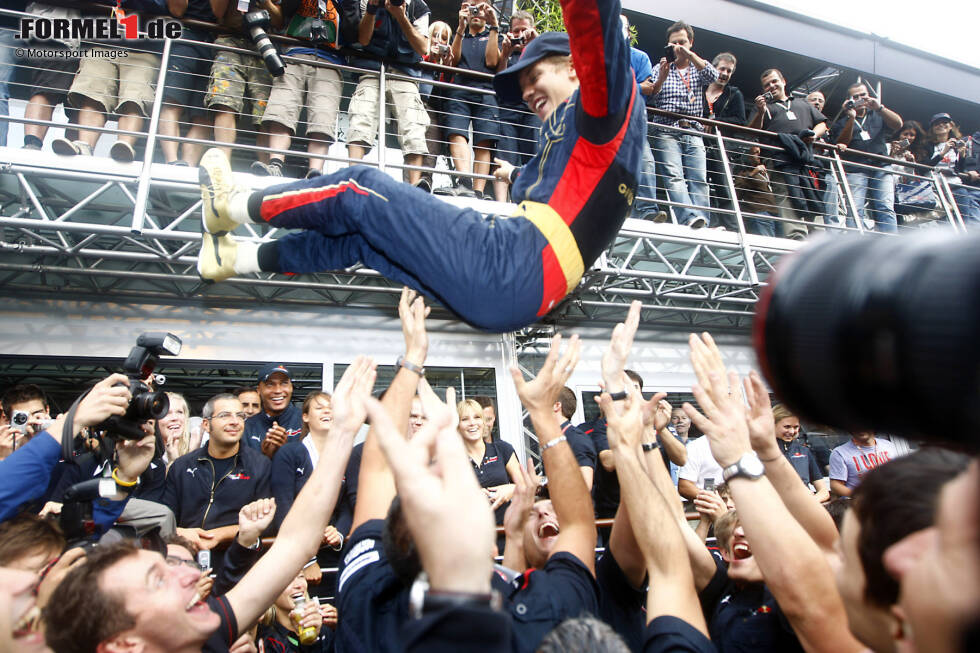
(507, 83)
(269, 369)
(940, 116)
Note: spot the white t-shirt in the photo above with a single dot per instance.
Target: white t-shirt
(849, 462)
(700, 463)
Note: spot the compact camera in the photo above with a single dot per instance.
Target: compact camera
(441, 49)
(518, 41)
(669, 53)
(769, 97)
(19, 419)
(474, 11)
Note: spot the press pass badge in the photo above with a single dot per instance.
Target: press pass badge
(243, 6)
(865, 136)
(204, 559)
(790, 115)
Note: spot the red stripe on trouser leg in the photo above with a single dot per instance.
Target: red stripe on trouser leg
(555, 286)
(279, 204)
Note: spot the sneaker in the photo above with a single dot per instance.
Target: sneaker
(312, 172)
(32, 142)
(272, 169)
(424, 185)
(216, 260)
(217, 189)
(65, 147)
(697, 223)
(464, 191)
(122, 152)
(659, 217)
(444, 190)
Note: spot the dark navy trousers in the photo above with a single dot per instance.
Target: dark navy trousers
(486, 269)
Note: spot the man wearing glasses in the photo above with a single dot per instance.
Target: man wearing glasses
(207, 487)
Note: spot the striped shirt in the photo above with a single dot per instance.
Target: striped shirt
(683, 92)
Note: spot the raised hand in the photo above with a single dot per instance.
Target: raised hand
(540, 393)
(441, 500)
(625, 425)
(762, 428)
(656, 411)
(620, 344)
(720, 397)
(134, 456)
(110, 396)
(253, 519)
(412, 311)
(348, 396)
(525, 487)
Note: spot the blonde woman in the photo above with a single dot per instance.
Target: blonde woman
(494, 463)
(174, 429)
(798, 454)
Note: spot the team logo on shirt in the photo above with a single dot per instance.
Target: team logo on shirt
(191, 470)
(492, 459)
(238, 477)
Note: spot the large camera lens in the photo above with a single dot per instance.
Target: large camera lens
(149, 405)
(255, 24)
(881, 333)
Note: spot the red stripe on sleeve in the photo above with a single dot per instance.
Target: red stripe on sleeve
(275, 206)
(584, 25)
(585, 167)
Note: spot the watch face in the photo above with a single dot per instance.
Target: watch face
(752, 466)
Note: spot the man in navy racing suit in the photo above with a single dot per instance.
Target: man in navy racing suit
(497, 273)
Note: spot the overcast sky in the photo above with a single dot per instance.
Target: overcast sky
(944, 27)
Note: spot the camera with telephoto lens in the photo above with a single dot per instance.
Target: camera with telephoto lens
(145, 403)
(862, 334)
(256, 23)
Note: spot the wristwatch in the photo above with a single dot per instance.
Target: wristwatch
(410, 366)
(422, 600)
(748, 466)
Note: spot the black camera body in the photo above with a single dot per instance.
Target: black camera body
(256, 23)
(518, 41)
(145, 403)
(769, 97)
(669, 53)
(849, 104)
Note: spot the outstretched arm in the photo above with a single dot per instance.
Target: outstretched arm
(600, 55)
(657, 532)
(794, 568)
(567, 487)
(803, 505)
(302, 529)
(376, 487)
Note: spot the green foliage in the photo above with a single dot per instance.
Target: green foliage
(547, 17)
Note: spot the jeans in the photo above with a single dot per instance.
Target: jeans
(681, 161)
(968, 202)
(7, 66)
(760, 226)
(878, 188)
(646, 186)
(831, 214)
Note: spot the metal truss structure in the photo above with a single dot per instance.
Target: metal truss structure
(81, 231)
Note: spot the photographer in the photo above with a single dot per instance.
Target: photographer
(26, 472)
(233, 73)
(318, 88)
(864, 128)
(519, 127)
(967, 194)
(27, 409)
(476, 46)
(775, 111)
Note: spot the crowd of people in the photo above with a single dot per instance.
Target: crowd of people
(220, 93)
(270, 529)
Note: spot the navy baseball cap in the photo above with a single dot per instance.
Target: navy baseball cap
(507, 84)
(269, 369)
(940, 116)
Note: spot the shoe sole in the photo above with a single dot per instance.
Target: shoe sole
(122, 154)
(209, 262)
(215, 175)
(63, 148)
